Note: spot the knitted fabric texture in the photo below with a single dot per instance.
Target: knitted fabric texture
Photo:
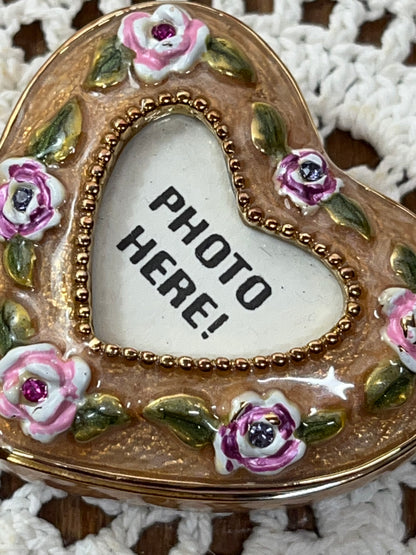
(361, 88)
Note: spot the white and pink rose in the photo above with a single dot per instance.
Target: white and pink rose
(168, 40)
(399, 304)
(41, 389)
(29, 197)
(259, 436)
(304, 176)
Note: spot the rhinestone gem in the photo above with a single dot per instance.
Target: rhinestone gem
(21, 198)
(261, 434)
(163, 31)
(34, 390)
(310, 171)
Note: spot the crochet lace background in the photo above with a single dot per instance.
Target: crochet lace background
(361, 88)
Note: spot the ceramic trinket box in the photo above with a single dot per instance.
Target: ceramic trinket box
(197, 307)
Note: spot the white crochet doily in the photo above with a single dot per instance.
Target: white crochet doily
(364, 89)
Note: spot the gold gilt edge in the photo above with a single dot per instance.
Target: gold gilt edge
(121, 129)
(193, 492)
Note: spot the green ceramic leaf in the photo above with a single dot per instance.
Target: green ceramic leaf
(186, 416)
(389, 385)
(268, 130)
(225, 57)
(56, 140)
(19, 259)
(403, 263)
(320, 426)
(15, 325)
(110, 64)
(6, 341)
(345, 211)
(96, 414)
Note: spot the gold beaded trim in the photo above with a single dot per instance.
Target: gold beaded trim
(90, 195)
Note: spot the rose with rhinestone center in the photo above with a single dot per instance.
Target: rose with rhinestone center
(167, 41)
(29, 198)
(259, 436)
(399, 304)
(41, 389)
(304, 176)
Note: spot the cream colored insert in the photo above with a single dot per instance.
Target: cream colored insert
(176, 270)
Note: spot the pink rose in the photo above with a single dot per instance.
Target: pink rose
(259, 436)
(168, 40)
(304, 176)
(399, 305)
(28, 199)
(42, 390)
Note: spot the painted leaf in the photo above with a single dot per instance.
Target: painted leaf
(96, 415)
(320, 426)
(19, 259)
(186, 416)
(403, 263)
(389, 385)
(110, 64)
(6, 341)
(345, 211)
(56, 140)
(225, 57)
(15, 325)
(268, 131)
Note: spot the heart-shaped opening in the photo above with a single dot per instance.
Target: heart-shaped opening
(176, 270)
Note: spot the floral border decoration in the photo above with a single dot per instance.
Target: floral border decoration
(391, 383)
(47, 392)
(264, 435)
(30, 195)
(156, 45)
(303, 175)
(43, 390)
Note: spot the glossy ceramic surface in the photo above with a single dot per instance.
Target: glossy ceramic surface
(228, 428)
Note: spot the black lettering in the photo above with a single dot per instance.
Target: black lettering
(183, 285)
(184, 219)
(131, 239)
(214, 326)
(218, 256)
(197, 306)
(155, 264)
(256, 300)
(238, 265)
(170, 198)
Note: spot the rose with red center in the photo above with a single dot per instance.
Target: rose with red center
(167, 41)
(399, 304)
(41, 389)
(304, 176)
(259, 436)
(28, 199)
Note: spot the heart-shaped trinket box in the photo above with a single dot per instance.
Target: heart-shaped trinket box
(216, 316)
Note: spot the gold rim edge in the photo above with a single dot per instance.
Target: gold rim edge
(136, 117)
(231, 495)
